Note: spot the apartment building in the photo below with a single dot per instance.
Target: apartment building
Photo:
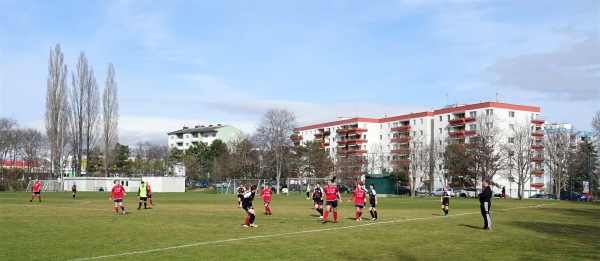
(389, 142)
(186, 137)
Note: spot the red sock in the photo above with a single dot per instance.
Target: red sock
(32, 198)
(326, 214)
(247, 220)
(40, 198)
(334, 216)
(151, 202)
(267, 209)
(357, 214)
(117, 210)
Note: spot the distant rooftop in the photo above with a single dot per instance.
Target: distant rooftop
(198, 129)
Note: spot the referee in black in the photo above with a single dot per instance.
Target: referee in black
(485, 204)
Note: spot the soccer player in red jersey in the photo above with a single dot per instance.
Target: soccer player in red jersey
(37, 190)
(332, 195)
(266, 194)
(149, 193)
(117, 192)
(359, 202)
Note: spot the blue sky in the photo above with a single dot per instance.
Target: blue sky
(207, 62)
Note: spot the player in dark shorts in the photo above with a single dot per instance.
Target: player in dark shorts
(247, 205)
(373, 202)
(317, 196)
(74, 189)
(332, 195)
(445, 199)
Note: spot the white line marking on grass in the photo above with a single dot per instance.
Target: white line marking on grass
(291, 233)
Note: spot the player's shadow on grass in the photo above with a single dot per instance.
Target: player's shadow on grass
(470, 226)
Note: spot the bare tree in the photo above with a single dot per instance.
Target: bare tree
(272, 135)
(596, 122)
(84, 100)
(56, 103)
(519, 153)
(557, 147)
(486, 147)
(34, 143)
(420, 163)
(110, 116)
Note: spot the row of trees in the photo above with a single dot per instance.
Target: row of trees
(75, 122)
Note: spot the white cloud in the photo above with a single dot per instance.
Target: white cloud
(572, 72)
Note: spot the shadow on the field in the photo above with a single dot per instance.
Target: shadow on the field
(576, 233)
(470, 226)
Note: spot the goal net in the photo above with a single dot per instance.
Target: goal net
(231, 186)
(47, 185)
(300, 185)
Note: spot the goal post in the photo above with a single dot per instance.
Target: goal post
(299, 185)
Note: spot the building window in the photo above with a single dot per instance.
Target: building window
(511, 140)
(473, 114)
(440, 130)
(440, 117)
(172, 137)
(448, 117)
(489, 112)
(489, 125)
(421, 132)
(440, 141)
(187, 144)
(421, 120)
(440, 167)
(214, 135)
(381, 137)
(511, 127)
(511, 114)
(414, 133)
(472, 126)
(414, 122)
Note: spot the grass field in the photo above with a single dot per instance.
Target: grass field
(199, 225)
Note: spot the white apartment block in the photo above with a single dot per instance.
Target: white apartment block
(186, 137)
(390, 140)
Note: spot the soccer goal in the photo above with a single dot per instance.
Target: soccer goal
(231, 186)
(47, 185)
(300, 185)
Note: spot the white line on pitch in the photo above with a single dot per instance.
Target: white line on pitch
(287, 234)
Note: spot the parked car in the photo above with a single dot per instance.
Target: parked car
(540, 196)
(345, 189)
(221, 185)
(440, 191)
(552, 196)
(467, 193)
(402, 190)
(422, 191)
(568, 195)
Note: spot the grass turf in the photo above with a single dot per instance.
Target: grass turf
(199, 225)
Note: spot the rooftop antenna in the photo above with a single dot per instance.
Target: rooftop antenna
(496, 97)
(446, 98)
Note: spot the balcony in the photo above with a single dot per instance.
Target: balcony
(537, 172)
(402, 128)
(319, 135)
(401, 151)
(537, 147)
(355, 141)
(537, 160)
(401, 139)
(461, 121)
(461, 134)
(537, 122)
(295, 138)
(537, 134)
(401, 162)
(351, 152)
(537, 185)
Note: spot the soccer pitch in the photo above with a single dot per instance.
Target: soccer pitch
(199, 225)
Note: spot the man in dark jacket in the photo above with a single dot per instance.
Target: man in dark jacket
(485, 204)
